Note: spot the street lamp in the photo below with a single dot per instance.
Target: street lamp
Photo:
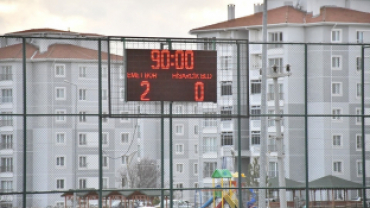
(277, 73)
(75, 147)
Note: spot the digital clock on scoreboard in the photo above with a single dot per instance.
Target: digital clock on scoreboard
(171, 75)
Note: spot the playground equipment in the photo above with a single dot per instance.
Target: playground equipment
(227, 196)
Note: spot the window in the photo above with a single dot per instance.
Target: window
(179, 149)
(60, 183)
(105, 139)
(278, 62)
(227, 138)
(105, 161)
(196, 129)
(6, 141)
(60, 162)
(210, 121)
(82, 71)
(82, 139)
(256, 137)
(255, 112)
(6, 186)
(60, 70)
(179, 185)
(337, 140)
(225, 62)
(122, 94)
(358, 64)
(358, 116)
(60, 93)
(124, 138)
(226, 111)
(179, 168)
(60, 115)
(226, 88)
(336, 36)
(6, 73)
(6, 164)
(124, 119)
(337, 167)
(179, 129)
(124, 159)
(104, 95)
(271, 119)
(359, 168)
(196, 185)
(336, 62)
(336, 88)
(104, 72)
(60, 138)
(82, 162)
(82, 183)
(82, 117)
(82, 94)
(209, 168)
(360, 36)
(271, 92)
(105, 183)
(6, 95)
(358, 142)
(179, 109)
(255, 87)
(275, 37)
(196, 148)
(338, 194)
(273, 169)
(105, 117)
(209, 44)
(209, 144)
(336, 112)
(195, 168)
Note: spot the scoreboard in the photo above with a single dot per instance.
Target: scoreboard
(171, 75)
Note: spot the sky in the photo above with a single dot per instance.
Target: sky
(144, 18)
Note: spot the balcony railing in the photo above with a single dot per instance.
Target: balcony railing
(6, 168)
(6, 123)
(271, 96)
(6, 146)
(209, 148)
(6, 77)
(273, 148)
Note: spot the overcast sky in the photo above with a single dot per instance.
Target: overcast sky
(164, 18)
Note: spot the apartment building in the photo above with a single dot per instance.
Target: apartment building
(333, 82)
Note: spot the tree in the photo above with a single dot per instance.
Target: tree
(143, 174)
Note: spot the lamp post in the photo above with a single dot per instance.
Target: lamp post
(275, 74)
(75, 147)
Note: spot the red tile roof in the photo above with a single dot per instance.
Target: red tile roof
(55, 51)
(289, 14)
(50, 30)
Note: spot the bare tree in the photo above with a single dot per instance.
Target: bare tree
(143, 174)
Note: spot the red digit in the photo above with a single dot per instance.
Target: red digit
(145, 93)
(179, 61)
(155, 55)
(199, 91)
(189, 60)
(165, 61)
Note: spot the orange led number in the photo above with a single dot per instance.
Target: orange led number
(156, 57)
(146, 91)
(199, 91)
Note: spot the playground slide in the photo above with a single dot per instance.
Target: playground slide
(209, 202)
(253, 199)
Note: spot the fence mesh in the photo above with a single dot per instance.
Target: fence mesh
(70, 138)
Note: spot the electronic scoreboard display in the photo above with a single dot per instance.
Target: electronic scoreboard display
(171, 75)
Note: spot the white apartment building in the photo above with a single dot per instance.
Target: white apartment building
(333, 82)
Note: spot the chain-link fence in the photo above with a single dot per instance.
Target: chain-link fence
(71, 136)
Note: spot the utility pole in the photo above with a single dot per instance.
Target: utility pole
(275, 75)
(263, 141)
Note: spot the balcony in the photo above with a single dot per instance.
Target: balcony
(255, 48)
(209, 148)
(271, 96)
(6, 146)
(6, 77)
(6, 123)
(6, 169)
